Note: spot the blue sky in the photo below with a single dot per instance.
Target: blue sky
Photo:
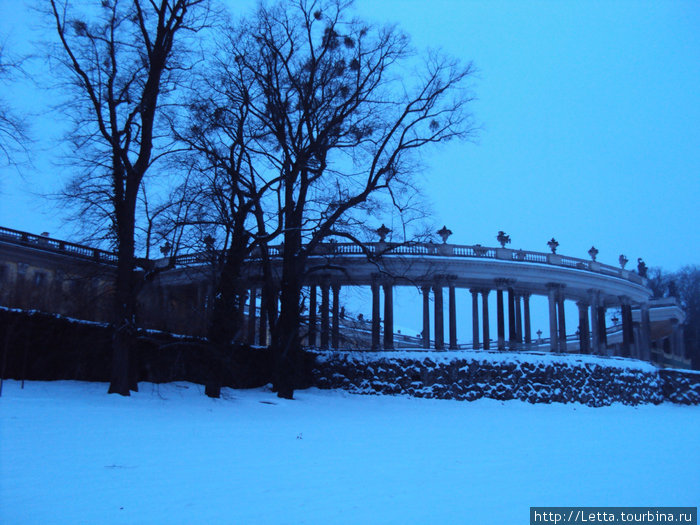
(589, 112)
(590, 117)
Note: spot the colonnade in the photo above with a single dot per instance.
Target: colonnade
(329, 336)
(512, 318)
(519, 327)
(179, 298)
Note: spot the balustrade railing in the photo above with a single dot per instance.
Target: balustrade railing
(415, 343)
(46, 243)
(404, 342)
(340, 249)
(438, 250)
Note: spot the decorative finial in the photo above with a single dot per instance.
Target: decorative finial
(444, 233)
(593, 252)
(503, 239)
(553, 245)
(382, 231)
(623, 260)
(641, 267)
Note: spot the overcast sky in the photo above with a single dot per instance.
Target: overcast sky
(590, 116)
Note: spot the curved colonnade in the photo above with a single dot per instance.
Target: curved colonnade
(38, 272)
(438, 270)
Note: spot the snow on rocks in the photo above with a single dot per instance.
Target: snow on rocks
(533, 377)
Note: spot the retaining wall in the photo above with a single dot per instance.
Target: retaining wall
(537, 378)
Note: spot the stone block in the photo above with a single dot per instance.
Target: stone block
(504, 253)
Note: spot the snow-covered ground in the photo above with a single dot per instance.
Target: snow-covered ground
(70, 453)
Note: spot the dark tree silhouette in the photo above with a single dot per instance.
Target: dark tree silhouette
(13, 127)
(339, 108)
(684, 286)
(121, 63)
(225, 194)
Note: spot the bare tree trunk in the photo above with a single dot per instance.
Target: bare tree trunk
(118, 61)
(124, 336)
(286, 343)
(226, 321)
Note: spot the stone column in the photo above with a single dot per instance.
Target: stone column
(512, 336)
(485, 318)
(553, 333)
(584, 335)
(603, 330)
(681, 341)
(439, 321)
(637, 344)
(453, 318)
(425, 290)
(595, 330)
(312, 315)
(388, 316)
(518, 321)
(500, 325)
(335, 334)
(630, 325)
(645, 332)
(375, 316)
(325, 314)
(526, 312)
(251, 316)
(562, 322)
(627, 333)
(673, 338)
(475, 319)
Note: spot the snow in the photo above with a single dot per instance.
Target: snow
(492, 357)
(72, 320)
(69, 453)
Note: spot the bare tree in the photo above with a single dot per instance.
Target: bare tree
(13, 127)
(687, 287)
(340, 109)
(122, 60)
(227, 193)
(684, 286)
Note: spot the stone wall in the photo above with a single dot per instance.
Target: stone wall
(681, 386)
(536, 378)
